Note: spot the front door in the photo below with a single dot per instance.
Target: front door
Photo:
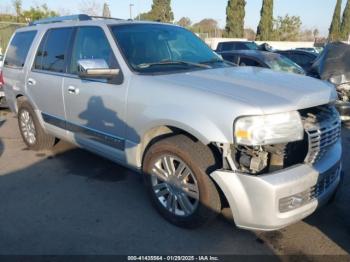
(95, 108)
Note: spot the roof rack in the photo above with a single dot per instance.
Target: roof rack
(104, 17)
(58, 19)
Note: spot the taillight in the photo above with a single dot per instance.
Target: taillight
(1, 79)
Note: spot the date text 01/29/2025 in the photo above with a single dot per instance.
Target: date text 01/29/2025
(173, 258)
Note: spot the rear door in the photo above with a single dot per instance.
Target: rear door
(45, 80)
(95, 108)
(15, 65)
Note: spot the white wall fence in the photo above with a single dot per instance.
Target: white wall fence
(213, 43)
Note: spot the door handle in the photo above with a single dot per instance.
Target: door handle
(73, 90)
(31, 82)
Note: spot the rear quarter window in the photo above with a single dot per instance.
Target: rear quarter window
(18, 49)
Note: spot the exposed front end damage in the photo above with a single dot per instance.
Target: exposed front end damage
(269, 187)
(333, 65)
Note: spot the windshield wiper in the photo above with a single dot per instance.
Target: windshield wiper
(170, 62)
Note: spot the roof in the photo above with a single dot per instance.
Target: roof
(81, 19)
(236, 41)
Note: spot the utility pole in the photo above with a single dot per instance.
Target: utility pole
(131, 6)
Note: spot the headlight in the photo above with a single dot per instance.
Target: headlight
(269, 129)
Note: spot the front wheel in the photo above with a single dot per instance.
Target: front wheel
(176, 175)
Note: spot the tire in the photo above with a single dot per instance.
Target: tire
(196, 162)
(30, 128)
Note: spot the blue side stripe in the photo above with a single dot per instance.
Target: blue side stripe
(90, 133)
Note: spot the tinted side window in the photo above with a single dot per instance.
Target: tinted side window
(248, 62)
(288, 55)
(54, 53)
(18, 49)
(230, 57)
(228, 47)
(91, 43)
(241, 46)
(302, 60)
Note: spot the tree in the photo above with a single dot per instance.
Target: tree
(235, 13)
(38, 12)
(161, 11)
(287, 28)
(184, 22)
(306, 35)
(345, 25)
(249, 34)
(334, 30)
(90, 7)
(265, 27)
(208, 26)
(12, 22)
(316, 33)
(106, 12)
(17, 4)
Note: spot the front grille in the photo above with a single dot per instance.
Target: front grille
(323, 128)
(324, 184)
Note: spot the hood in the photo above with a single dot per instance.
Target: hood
(268, 90)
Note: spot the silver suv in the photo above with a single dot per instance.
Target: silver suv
(205, 134)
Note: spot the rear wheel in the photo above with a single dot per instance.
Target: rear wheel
(176, 172)
(30, 128)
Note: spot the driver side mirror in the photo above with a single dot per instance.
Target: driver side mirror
(96, 68)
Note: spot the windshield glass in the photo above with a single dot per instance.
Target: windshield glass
(151, 48)
(283, 64)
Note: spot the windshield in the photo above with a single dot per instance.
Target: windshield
(283, 64)
(152, 48)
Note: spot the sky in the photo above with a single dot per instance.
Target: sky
(313, 13)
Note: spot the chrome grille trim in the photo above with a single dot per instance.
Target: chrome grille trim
(323, 130)
(323, 185)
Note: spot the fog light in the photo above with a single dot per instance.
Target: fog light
(295, 201)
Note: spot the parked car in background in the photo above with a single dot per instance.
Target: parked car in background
(305, 59)
(265, 59)
(309, 49)
(236, 45)
(204, 134)
(333, 65)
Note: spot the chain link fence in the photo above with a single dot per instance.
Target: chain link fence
(6, 31)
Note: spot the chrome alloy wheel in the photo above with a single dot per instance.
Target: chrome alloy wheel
(27, 126)
(175, 185)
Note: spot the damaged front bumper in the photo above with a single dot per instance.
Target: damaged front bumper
(261, 202)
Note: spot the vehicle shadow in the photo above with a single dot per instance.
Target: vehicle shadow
(69, 201)
(74, 202)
